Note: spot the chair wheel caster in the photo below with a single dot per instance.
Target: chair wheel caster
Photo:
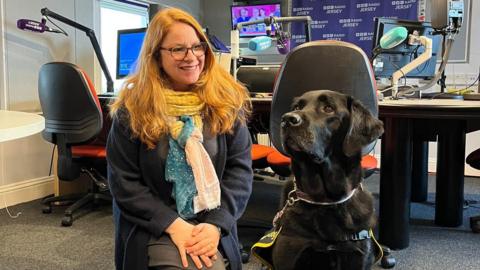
(387, 261)
(47, 209)
(475, 224)
(67, 221)
(245, 256)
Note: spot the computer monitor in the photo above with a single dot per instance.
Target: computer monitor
(387, 61)
(259, 79)
(129, 44)
(245, 13)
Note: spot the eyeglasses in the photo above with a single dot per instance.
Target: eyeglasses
(179, 53)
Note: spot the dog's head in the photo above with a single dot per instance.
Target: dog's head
(323, 122)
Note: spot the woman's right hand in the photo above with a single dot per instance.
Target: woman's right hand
(180, 232)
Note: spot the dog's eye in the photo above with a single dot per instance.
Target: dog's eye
(296, 107)
(327, 109)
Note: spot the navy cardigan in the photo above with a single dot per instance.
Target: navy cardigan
(143, 206)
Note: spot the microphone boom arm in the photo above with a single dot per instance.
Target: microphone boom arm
(427, 54)
(91, 34)
(270, 20)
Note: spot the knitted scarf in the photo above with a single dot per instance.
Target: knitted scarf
(188, 166)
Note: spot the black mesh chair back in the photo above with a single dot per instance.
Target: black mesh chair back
(325, 64)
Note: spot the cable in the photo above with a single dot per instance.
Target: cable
(59, 28)
(457, 91)
(472, 84)
(51, 160)
(3, 195)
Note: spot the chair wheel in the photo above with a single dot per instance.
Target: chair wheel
(388, 262)
(475, 224)
(47, 209)
(67, 221)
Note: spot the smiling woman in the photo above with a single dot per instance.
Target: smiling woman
(183, 56)
(178, 153)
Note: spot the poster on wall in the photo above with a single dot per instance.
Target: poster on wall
(348, 20)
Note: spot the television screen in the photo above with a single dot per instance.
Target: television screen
(129, 44)
(247, 13)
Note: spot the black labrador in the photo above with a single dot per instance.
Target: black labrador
(327, 220)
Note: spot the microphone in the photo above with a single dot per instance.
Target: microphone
(261, 43)
(35, 26)
(393, 37)
(283, 42)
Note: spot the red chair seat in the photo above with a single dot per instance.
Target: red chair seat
(92, 151)
(276, 158)
(260, 151)
(279, 163)
(369, 162)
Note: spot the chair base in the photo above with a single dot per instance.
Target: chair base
(81, 200)
(98, 192)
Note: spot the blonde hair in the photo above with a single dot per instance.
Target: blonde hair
(142, 94)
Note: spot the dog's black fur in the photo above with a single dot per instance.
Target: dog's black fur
(324, 134)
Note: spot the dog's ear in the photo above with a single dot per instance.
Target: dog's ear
(364, 128)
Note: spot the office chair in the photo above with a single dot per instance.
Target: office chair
(473, 159)
(73, 120)
(325, 64)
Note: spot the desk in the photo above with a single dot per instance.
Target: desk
(450, 120)
(15, 125)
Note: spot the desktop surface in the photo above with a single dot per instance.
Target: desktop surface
(427, 106)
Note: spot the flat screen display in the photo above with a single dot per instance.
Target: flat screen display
(247, 13)
(129, 44)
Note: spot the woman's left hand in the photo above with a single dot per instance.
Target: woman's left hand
(204, 240)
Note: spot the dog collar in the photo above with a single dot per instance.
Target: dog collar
(302, 196)
(361, 235)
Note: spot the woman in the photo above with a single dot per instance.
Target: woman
(176, 199)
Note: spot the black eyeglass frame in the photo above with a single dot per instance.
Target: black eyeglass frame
(203, 44)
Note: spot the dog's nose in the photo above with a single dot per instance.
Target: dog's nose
(291, 119)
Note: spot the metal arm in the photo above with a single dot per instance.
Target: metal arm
(427, 54)
(270, 20)
(91, 34)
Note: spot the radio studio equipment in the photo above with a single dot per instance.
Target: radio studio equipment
(447, 18)
(261, 43)
(393, 37)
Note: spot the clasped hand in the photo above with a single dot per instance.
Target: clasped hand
(199, 241)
